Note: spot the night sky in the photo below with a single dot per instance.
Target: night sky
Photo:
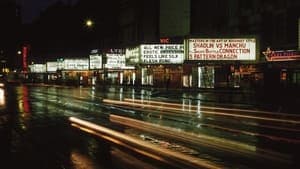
(31, 9)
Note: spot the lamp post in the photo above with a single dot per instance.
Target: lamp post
(89, 23)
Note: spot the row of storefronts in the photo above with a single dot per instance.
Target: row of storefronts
(198, 63)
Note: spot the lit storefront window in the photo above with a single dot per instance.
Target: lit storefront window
(283, 75)
(147, 77)
(2, 97)
(187, 80)
(206, 76)
(133, 78)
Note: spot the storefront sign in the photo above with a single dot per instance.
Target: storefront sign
(60, 64)
(115, 51)
(115, 60)
(162, 54)
(132, 56)
(95, 61)
(221, 49)
(76, 64)
(94, 51)
(283, 55)
(52, 66)
(37, 68)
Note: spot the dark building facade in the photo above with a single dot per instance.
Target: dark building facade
(272, 23)
(138, 21)
(275, 22)
(143, 21)
(10, 21)
(174, 18)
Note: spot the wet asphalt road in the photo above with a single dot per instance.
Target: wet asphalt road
(35, 130)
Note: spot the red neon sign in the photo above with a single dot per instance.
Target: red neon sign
(164, 40)
(25, 55)
(283, 55)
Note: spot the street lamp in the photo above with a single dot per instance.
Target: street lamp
(89, 23)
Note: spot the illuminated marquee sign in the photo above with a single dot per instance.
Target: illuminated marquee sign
(132, 56)
(162, 54)
(60, 64)
(37, 68)
(76, 64)
(95, 61)
(221, 49)
(115, 60)
(52, 66)
(283, 55)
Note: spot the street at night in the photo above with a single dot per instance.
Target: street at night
(43, 127)
(139, 84)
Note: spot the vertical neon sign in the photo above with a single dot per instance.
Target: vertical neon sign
(24, 55)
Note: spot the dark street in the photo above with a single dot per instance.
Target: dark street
(36, 131)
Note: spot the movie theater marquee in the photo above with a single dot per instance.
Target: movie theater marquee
(222, 49)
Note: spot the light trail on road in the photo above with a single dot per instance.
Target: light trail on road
(285, 115)
(218, 127)
(253, 134)
(181, 114)
(142, 147)
(222, 144)
(296, 122)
